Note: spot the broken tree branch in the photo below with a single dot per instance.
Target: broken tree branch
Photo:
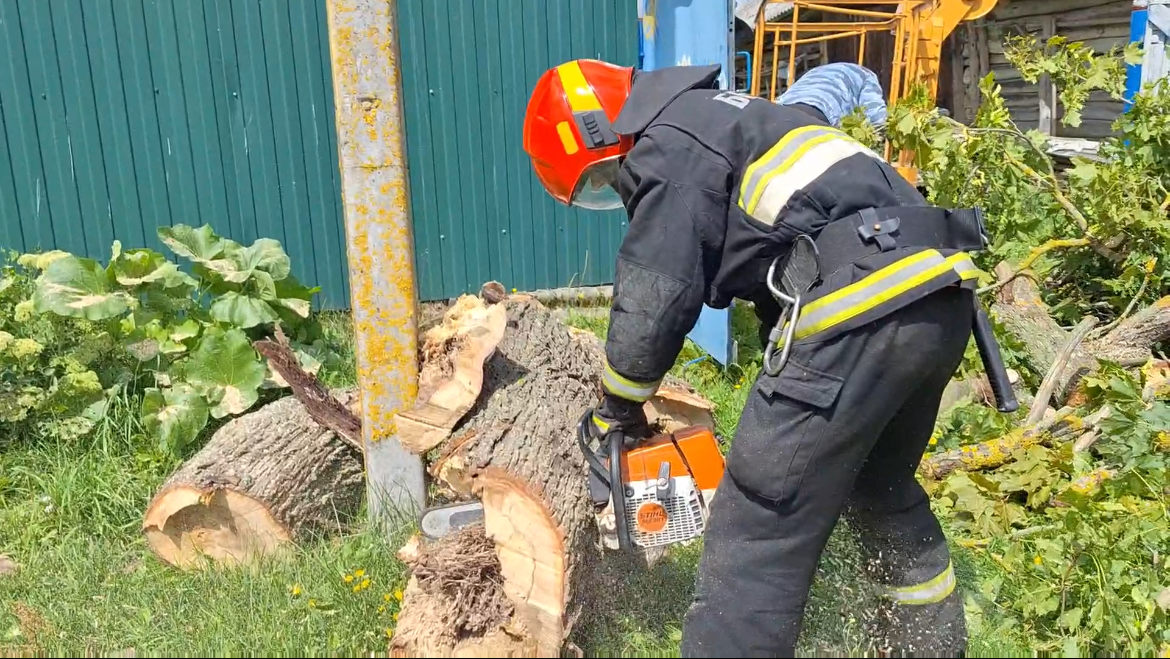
(319, 403)
(1044, 393)
(998, 452)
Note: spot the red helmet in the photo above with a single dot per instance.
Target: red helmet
(567, 131)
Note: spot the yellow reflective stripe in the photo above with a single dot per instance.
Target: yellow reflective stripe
(638, 392)
(929, 592)
(879, 288)
(813, 160)
(577, 90)
(771, 179)
(600, 423)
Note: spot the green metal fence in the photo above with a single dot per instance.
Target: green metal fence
(479, 213)
(120, 116)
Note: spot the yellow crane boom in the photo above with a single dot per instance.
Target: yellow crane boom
(919, 29)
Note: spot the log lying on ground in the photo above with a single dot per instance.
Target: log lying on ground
(265, 479)
(516, 450)
(1019, 307)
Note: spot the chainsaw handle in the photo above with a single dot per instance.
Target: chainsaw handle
(583, 441)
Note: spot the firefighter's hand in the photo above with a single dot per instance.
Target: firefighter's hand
(618, 414)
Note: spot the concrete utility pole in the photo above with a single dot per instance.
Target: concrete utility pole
(363, 47)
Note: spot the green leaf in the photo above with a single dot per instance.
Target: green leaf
(242, 310)
(1071, 619)
(175, 415)
(1084, 171)
(79, 288)
(226, 369)
(240, 263)
(1070, 647)
(145, 266)
(199, 245)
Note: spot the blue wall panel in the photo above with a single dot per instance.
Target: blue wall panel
(693, 32)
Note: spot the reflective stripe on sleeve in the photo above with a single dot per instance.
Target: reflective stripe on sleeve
(623, 387)
(929, 592)
(879, 288)
(601, 423)
(795, 161)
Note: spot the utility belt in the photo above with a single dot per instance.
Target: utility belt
(934, 244)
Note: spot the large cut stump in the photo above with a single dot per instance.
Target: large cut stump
(515, 585)
(265, 479)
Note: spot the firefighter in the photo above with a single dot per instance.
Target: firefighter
(717, 185)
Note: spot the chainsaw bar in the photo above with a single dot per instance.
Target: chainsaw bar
(440, 521)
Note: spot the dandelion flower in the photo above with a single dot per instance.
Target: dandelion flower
(296, 590)
(389, 633)
(398, 595)
(382, 609)
(349, 578)
(312, 603)
(365, 583)
(386, 597)
(1037, 560)
(395, 616)
(359, 573)
(933, 441)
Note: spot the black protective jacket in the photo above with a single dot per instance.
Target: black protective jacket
(691, 239)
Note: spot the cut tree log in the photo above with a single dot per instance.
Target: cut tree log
(516, 584)
(264, 480)
(1019, 307)
(453, 354)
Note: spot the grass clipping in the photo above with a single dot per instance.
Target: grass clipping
(462, 575)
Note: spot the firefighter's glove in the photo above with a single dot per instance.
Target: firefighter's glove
(619, 414)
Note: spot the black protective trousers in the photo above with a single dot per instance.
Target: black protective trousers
(839, 432)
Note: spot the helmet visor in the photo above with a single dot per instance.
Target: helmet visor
(596, 189)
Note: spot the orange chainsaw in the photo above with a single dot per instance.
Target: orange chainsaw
(665, 487)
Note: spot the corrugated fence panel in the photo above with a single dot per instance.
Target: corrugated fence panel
(479, 213)
(120, 116)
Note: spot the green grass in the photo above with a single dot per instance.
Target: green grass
(88, 585)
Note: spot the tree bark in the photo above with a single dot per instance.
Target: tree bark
(517, 451)
(1019, 307)
(264, 480)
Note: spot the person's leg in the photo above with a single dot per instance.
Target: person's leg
(891, 516)
(802, 439)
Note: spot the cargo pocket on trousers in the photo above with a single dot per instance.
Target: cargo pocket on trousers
(781, 429)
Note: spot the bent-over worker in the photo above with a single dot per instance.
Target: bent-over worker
(716, 185)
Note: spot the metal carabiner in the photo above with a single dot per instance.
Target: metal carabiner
(773, 369)
(790, 304)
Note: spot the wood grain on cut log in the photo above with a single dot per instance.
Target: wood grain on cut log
(453, 354)
(517, 452)
(1021, 310)
(263, 480)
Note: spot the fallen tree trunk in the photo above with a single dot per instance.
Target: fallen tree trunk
(1021, 310)
(515, 585)
(265, 479)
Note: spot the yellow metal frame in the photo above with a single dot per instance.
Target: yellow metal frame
(919, 26)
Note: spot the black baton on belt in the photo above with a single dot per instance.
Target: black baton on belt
(1001, 386)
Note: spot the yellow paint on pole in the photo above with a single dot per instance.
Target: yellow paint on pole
(371, 150)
